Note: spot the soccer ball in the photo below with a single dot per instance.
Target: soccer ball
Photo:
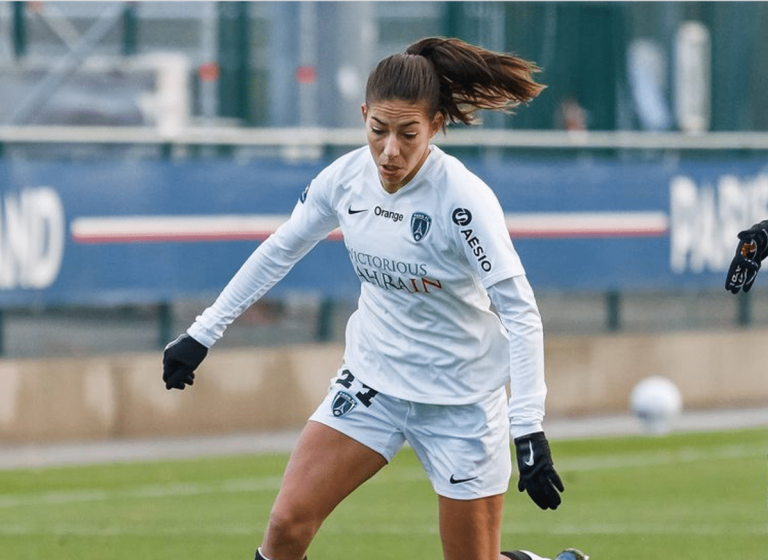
(656, 402)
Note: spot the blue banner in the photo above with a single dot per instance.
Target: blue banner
(145, 231)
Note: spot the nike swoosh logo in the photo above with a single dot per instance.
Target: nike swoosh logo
(529, 461)
(356, 211)
(460, 480)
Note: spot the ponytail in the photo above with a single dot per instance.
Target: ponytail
(454, 78)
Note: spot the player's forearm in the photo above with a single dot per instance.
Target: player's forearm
(263, 269)
(517, 309)
(527, 384)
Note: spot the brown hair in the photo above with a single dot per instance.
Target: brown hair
(454, 78)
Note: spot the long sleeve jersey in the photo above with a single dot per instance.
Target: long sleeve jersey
(430, 258)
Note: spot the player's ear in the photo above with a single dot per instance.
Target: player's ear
(437, 123)
(364, 111)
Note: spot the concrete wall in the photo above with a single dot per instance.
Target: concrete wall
(277, 388)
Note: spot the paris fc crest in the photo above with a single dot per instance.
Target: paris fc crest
(420, 224)
(343, 403)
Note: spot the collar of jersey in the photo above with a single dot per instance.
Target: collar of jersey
(423, 170)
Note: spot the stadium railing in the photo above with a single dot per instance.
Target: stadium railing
(342, 137)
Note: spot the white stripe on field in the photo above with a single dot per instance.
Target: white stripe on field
(607, 528)
(647, 458)
(234, 486)
(634, 528)
(592, 463)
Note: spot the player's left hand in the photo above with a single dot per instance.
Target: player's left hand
(180, 360)
(537, 471)
(752, 249)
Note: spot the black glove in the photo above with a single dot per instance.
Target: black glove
(537, 472)
(180, 360)
(752, 249)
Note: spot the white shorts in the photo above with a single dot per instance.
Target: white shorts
(464, 449)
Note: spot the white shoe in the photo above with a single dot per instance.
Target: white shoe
(567, 554)
(571, 554)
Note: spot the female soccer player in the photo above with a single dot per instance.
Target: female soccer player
(426, 359)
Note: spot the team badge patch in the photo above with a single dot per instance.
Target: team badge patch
(420, 224)
(343, 404)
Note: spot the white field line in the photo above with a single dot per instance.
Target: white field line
(633, 528)
(63, 529)
(121, 530)
(270, 484)
(647, 459)
(621, 529)
(234, 486)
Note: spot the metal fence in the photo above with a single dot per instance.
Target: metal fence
(620, 65)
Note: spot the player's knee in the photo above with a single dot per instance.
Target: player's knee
(292, 527)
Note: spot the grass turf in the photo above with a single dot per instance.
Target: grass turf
(681, 496)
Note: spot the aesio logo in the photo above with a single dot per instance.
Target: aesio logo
(461, 216)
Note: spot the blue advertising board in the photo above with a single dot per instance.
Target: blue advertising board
(116, 232)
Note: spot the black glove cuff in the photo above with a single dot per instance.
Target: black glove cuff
(536, 439)
(532, 451)
(186, 350)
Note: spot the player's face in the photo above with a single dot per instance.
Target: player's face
(398, 134)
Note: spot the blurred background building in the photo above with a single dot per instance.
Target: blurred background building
(651, 134)
(628, 65)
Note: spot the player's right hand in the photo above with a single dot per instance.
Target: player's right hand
(752, 249)
(180, 360)
(537, 471)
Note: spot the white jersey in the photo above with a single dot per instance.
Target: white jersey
(425, 256)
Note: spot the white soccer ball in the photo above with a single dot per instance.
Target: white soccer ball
(656, 402)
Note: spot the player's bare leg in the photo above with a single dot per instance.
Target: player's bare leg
(471, 529)
(324, 468)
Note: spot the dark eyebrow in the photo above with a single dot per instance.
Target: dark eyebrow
(401, 126)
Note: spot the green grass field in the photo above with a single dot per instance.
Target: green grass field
(682, 497)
